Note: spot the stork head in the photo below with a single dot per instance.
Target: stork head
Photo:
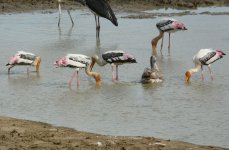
(62, 62)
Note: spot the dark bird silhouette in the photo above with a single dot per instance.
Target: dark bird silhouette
(100, 8)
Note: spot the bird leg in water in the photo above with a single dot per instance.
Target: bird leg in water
(169, 44)
(162, 41)
(97, 26)
(112, 70)
(70, 81)
(77, 79)
(116, 72)
(209, 68)
(9, 69)
(27, 70)
(70, 17)
(59, 15)
(202, 73)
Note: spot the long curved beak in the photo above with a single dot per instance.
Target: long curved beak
(187, 76)
(187, 79)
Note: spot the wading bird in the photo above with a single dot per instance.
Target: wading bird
(166, 25)
(59, 1)
(115, 58)
(152, 74)
(78, 61)
(204, 57)
(100, 8)
(24, 59)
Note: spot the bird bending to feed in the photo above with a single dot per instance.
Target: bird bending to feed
(166, 25)
(114, 58)
(152, 75)
(78, 61)
(204, 57)
(26, 59)
(100, 8)
(59, 1)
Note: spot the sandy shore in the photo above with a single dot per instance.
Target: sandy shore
(21, 134)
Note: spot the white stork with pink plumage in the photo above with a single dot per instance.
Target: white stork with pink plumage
(204, 57)
(78, 62)
(22, 58)
(115, 58)
(169, 25)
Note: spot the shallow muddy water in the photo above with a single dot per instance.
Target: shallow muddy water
(197, 112)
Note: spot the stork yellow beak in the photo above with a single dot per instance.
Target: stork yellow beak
(187, 76)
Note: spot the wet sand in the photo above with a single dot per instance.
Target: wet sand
(23, 134)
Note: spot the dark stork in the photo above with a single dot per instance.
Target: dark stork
(100, 8)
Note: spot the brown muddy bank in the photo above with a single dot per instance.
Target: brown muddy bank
(21, 134)
(125, 5)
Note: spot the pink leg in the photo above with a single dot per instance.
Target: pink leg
(112, 67)
(70, 81)
(209, 67)
(162, 41)
(169, 45)
(116, 72)
(202, 73)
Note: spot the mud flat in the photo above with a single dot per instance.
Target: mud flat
(23, 134)
(125, 5)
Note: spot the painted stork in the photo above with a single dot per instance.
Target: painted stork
(115, 58)
(152, 74)
(26, 59)
(166, 25)
(204, 57)
(78, 61)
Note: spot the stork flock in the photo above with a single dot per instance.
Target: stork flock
(101, 8)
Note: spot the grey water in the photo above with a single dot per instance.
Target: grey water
(197, 112)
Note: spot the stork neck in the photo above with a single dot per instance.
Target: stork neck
(194, 70)
(99, 61)
(95, 75)
(155, 41)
